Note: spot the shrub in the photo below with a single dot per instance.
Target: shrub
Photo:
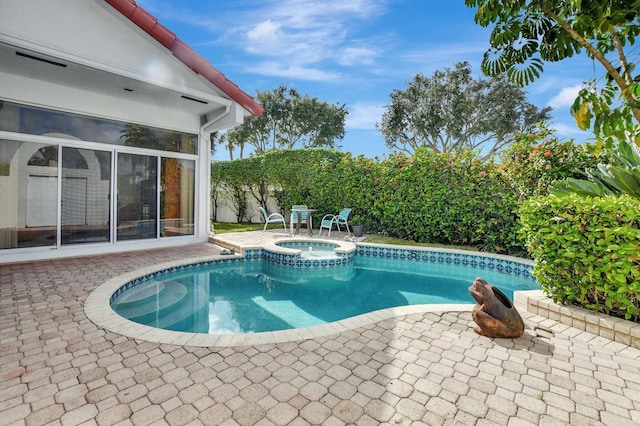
(350, 182)
(430, 198)
(448, 199)
(536, 160)
(232, 177)
(293, 173)
(586, 251)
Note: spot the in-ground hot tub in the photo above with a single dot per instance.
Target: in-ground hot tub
(308, 253)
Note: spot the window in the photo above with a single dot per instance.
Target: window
(40, 121)
(68, 192)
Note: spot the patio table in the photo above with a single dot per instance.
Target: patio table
(299, 223)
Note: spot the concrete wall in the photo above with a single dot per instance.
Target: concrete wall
(225, 212)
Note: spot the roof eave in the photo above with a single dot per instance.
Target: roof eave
(184, 53)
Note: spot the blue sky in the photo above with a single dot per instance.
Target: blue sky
(353, 52)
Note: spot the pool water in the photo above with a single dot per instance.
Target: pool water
(321, 253)
(312, 250)
(251, 297)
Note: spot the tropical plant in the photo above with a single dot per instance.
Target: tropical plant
(155, 138)
(621, 176)
(528, 33)
(451, 111)
(230, 141)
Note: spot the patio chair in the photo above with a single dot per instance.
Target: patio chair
(272, 218)
(303, 216)
(338, 220)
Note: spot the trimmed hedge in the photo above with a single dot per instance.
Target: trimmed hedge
(429, 197)
(586, 251)
(447, 199)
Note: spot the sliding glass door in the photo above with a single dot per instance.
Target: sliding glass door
(28, 194)
(137, 200)
(69, 179)
(177, 197)
(85, 196)
(57, 194)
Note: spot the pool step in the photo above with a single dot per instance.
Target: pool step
(167, 305)
(138, 308)
(181, 317)
(139, 293)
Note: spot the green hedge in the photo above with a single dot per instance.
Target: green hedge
(431, 198)
(448, 199)
(586, 251)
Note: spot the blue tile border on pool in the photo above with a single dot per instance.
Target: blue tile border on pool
(480, 261)
(305, 244)
(294, 261)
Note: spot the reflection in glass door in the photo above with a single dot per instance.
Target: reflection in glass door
(137, 197)
(86, 199)
(177, 197)
(28, 194)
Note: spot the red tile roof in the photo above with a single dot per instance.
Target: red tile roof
(184, 53)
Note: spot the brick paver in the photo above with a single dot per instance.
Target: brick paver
(57, 367)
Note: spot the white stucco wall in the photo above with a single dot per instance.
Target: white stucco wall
(29, 91)
(96, 40)
(108, 41)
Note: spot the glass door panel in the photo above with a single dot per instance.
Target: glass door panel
(86, 196)
(177, 197)
(137, 197)
(28, 194)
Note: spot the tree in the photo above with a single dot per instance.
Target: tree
(229, 141)
(451, 111)
(528, 33)
(289, 120)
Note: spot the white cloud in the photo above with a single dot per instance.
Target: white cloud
(569, 130)
(438, 56)
(564, 129)
(357, 56)
(446, 53)
(303, 32)
(276, 69)
(364, 116)
(565, 98)
(312, 13)
(307, 39)
(265, 31)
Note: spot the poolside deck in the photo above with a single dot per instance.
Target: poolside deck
(57, 367)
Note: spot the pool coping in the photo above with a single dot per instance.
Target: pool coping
(274, 247)
(98, 309)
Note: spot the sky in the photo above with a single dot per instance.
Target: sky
(353, 52)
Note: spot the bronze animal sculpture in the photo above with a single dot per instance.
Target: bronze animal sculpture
(494, 313)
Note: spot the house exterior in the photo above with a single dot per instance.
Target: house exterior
(105, 123)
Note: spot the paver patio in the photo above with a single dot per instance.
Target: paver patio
(57, 367)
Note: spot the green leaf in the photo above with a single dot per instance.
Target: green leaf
(577, 186)
(627, 181)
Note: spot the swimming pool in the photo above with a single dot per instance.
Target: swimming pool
(264, 292)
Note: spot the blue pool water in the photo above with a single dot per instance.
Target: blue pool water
(311, 250)
(248, 297)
